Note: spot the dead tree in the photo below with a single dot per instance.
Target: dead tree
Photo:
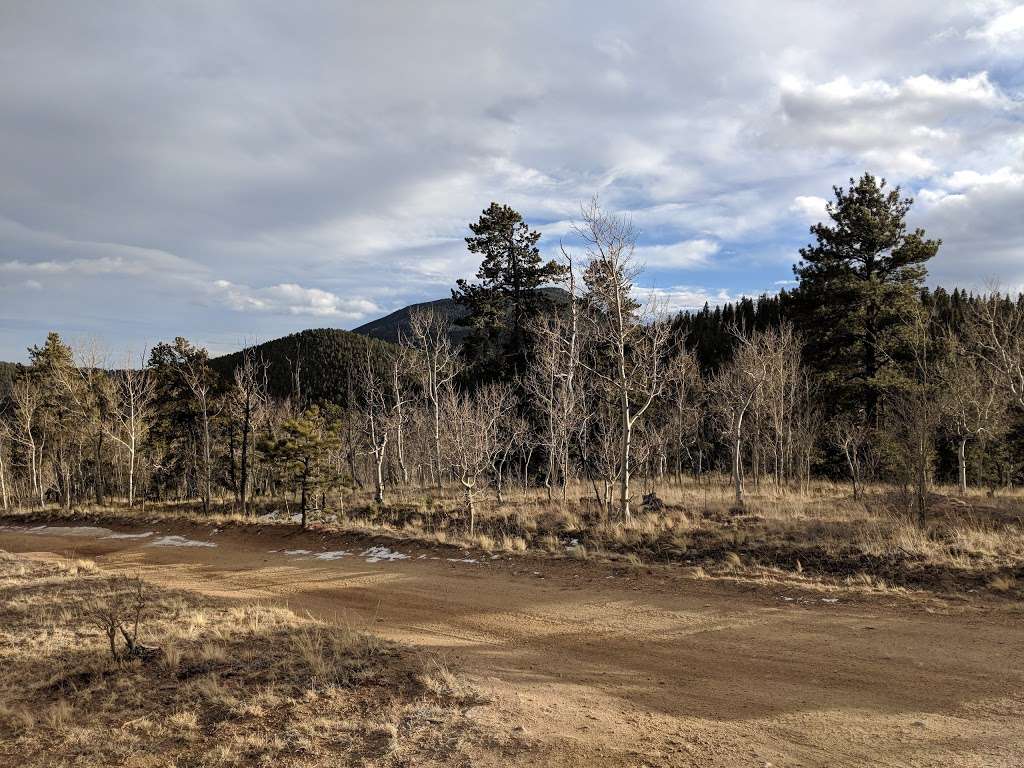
(975, 403)
(399, 371)
(132, 400)
(686, 409)
(851, 436)
(470, 436)
(27, 396)
(735, 387)
(120, 612)
(628, 346)
(381, 420)
(430, 333)
(781, 352)
(5, 439)
(995, 336)
(554, 392)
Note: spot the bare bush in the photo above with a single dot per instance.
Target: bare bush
(119, 612)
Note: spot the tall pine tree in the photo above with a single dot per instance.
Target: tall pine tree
(859, 283)
(501, 305)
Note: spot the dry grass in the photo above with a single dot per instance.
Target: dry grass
(234, 686)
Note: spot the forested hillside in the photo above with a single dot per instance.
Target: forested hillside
(323, 361)
(8, 371)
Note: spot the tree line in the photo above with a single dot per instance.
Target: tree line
(858, 373)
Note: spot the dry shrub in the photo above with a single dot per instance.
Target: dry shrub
(733, 562)
(58, 715)
(118, 611)
(441, 684)
(330, 656)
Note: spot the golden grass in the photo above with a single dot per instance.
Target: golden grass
(234, 686)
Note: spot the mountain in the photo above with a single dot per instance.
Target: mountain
(328, 360)
(389, 327)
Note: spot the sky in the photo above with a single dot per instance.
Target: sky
(232, 172)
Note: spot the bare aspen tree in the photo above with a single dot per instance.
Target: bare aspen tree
(918, 403)
(995, 335)
(28, 399)
(629, 347)
(399, 369)
(5, 440)
(974, 403)
(851, 436)
(249, 397)
(735, 388)
(686, 409)
(779, 393)
(470, 433)
(381, 419)
(808, 424)
(603, 450)
(553, 390)
(512, 436)
(132, 399)
(430, 333)
(552, 383)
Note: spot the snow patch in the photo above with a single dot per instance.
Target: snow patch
(377, 554)
(129, 535)
(179, 541)
(336, 555)
(462, 560)
(296, 552)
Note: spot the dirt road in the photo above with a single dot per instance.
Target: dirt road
(613, 667)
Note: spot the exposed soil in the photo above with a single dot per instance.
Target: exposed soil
(611, 666)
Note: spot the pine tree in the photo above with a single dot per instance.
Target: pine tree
(507, 298)
(303, 451)
(859, 283)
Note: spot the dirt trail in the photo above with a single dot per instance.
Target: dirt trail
(607, 668)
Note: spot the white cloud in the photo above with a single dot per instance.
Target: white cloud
(682, 298)
(909, 129)
(291, 299)
(1005, 27)
(810, 207)
(687, 254)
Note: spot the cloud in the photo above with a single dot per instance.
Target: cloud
(682, 298)
(290, 299)
(906, 129)
(810, 207)
(687, 254)
(1006, 27)
(324, 160)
